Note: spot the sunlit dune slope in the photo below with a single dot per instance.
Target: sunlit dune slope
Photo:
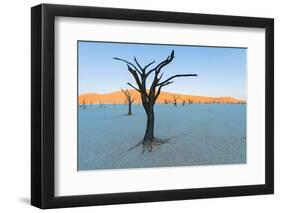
(165, 97)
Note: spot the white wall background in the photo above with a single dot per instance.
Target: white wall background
(15, 105)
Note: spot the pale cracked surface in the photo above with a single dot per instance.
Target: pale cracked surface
(199, 134)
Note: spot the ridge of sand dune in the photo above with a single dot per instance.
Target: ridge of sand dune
(119, 98)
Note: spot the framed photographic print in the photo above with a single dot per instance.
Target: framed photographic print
(139, 106)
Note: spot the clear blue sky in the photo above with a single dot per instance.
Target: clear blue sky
(221, 71)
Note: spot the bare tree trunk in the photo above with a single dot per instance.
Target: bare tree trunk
(149, 132)
(130, 109)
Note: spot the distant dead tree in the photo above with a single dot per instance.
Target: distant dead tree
(84, 104)
(149, 97)
(101, 104)
(129, 100)
(183, 102)
(91, 104)
(166, 101)
(175, 100)
(190, 101)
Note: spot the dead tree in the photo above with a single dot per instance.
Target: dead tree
(101, 104)
(129, 100)
(149, 97)
(183, 102)
(166, 101)
(175, 100)
(84, 104)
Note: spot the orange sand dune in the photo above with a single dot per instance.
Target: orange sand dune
(119, 98)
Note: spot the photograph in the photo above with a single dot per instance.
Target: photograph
(147, 105)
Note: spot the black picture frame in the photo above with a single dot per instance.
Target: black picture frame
(43, 101)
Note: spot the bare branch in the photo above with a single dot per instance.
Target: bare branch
(139, 90)
(167, 83)
(134, 87)
(158, 68)
(160, 77)
(125, 92)
(148, 65)
(158, 93)
(135, 75)
(129, 97)
(160, 87)
(138, 64)
(175, 76)
(149, 72)
(128, 63)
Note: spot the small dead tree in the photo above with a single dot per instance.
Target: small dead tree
(101, 104)
(149, 97)
(183, 102)
(166, 101)
(129, 100)
(84, 104)
(175, 100)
